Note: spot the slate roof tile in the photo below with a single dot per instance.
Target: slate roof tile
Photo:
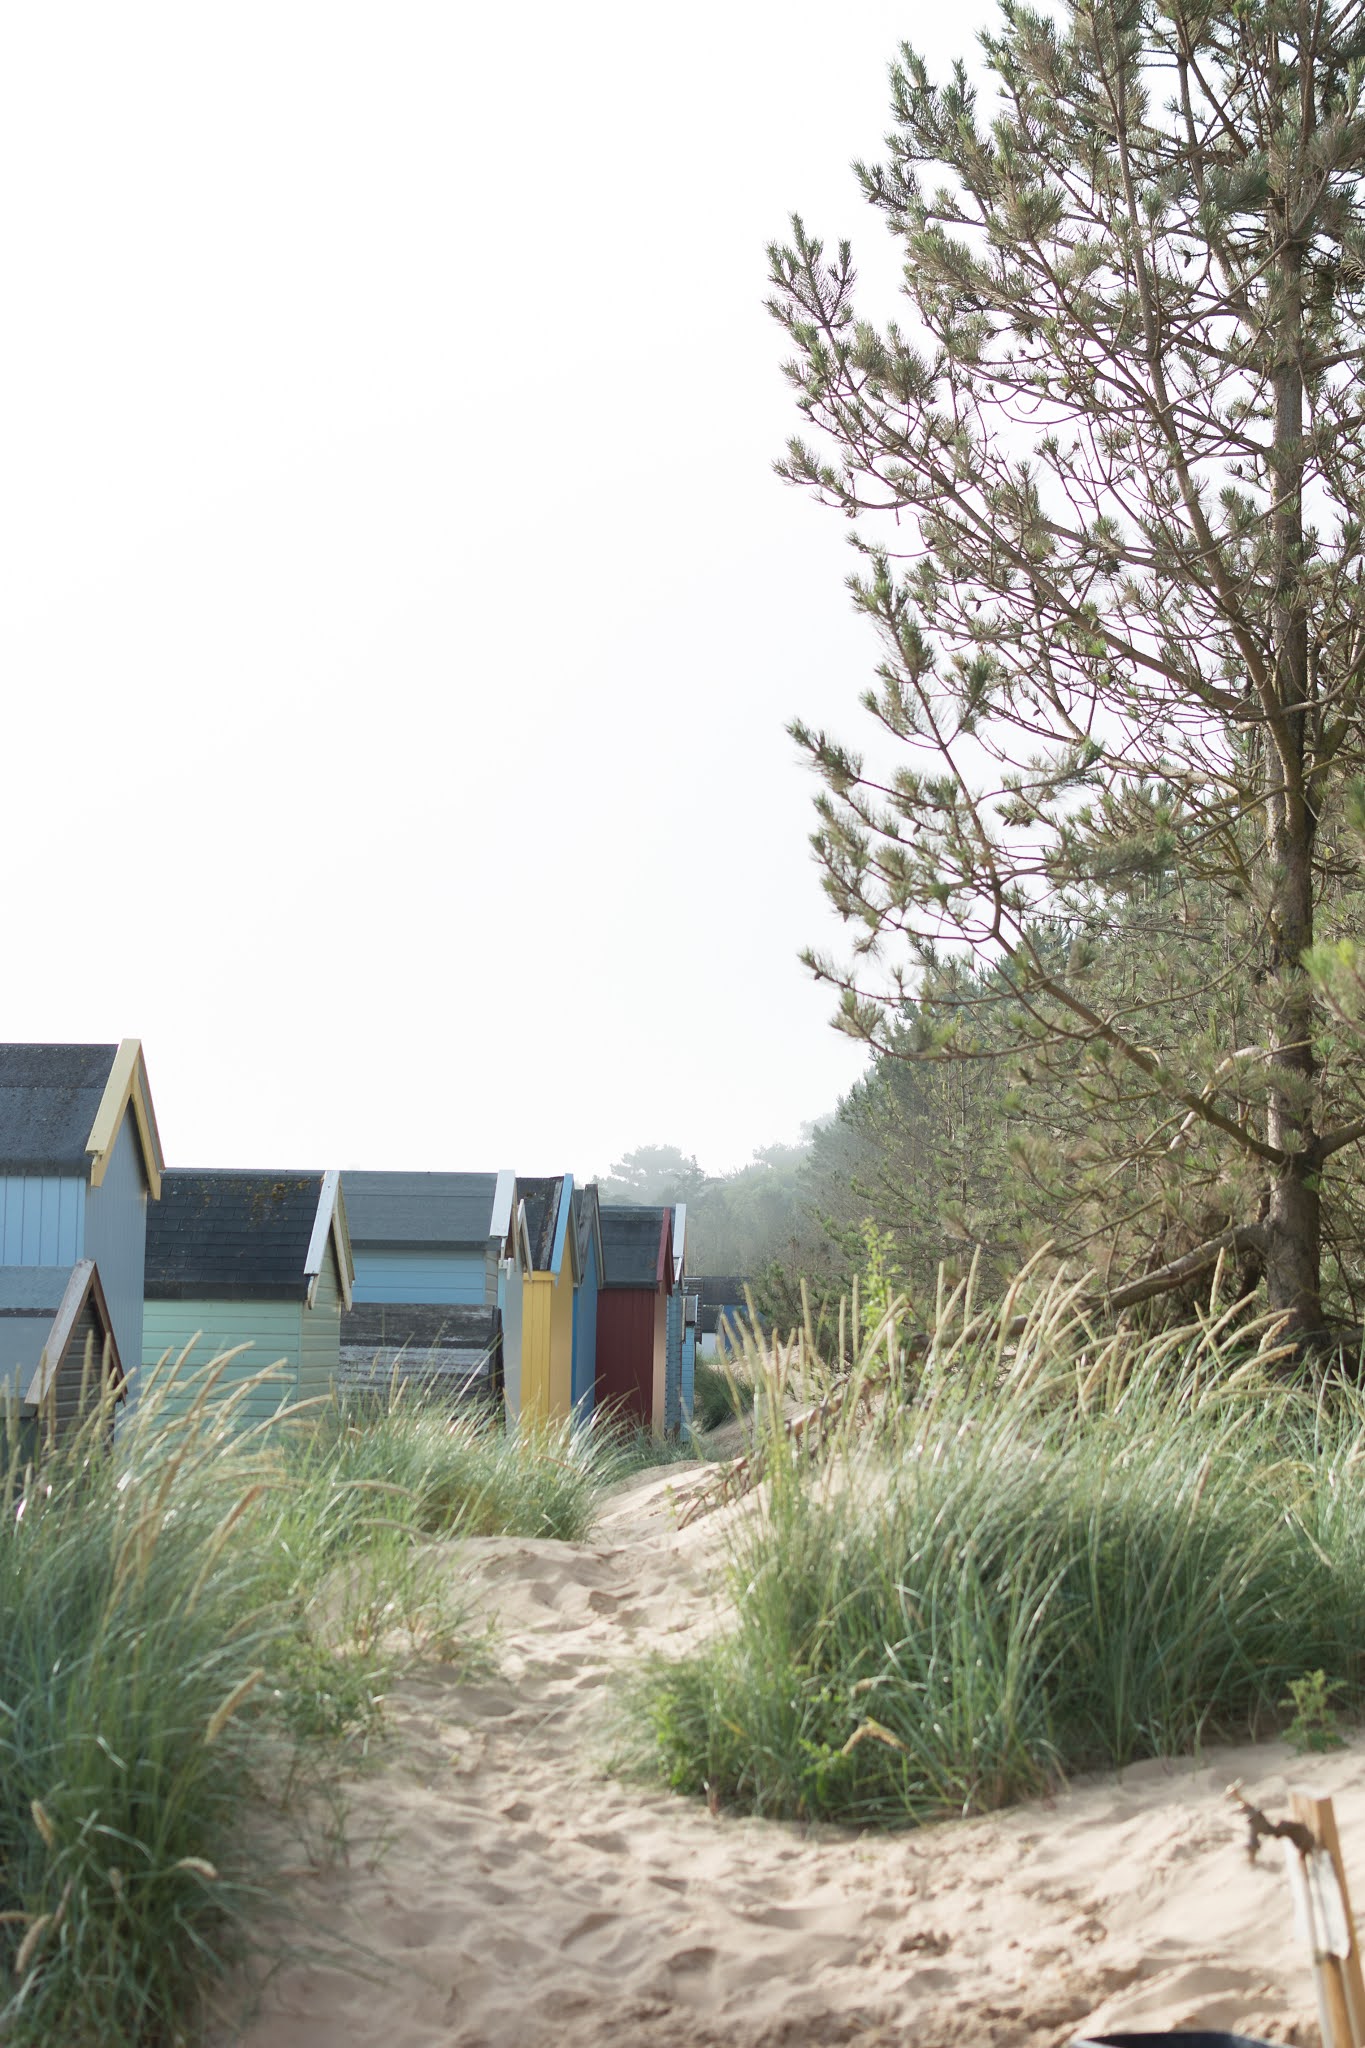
(48, 1098)
(231, 1236)
(419, 1208)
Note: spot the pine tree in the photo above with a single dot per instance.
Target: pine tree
(1122, 602)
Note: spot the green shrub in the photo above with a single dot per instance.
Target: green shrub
(1072, 1556)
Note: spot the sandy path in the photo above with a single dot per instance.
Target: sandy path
(511, 1895)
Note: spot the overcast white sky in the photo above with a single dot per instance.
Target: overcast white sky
(399, 618)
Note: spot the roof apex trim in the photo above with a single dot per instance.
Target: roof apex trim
(127, 1085)
(330, 1222)
(504, 1194)
(563, 1233)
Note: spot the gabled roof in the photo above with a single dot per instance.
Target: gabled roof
(679, 1241)
(544, 1214)
(636, 1246)
(419, 1209)
(62, 1107)
(245, 1235)
(83, 1287)
(721, 1290)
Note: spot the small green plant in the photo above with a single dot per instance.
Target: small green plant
(1314, 1727)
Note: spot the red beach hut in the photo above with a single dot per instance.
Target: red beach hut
(632, 1312)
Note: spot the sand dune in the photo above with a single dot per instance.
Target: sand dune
(503, 1892)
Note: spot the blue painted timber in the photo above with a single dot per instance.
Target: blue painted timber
(689, 1373)
(585, 1335)
(116, 1239)
(42, 1219)
(395, 1273)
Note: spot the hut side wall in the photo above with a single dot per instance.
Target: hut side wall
(320, 1336)
(584, 1366)
(513, 1293)
(659, 1384)
(116, 1239)
(271, 1328)
(562, 1291)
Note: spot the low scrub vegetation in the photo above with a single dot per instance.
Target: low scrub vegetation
(192, 1620)
(1010, 1547)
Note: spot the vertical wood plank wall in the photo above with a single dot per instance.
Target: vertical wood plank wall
(584, 1370)
(625, 1352)
(42, 1219)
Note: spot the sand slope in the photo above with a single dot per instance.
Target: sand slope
(509, 1894)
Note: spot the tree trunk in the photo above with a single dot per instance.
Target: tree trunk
(1293, 1228)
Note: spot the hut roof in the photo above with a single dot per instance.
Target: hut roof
(635, 1245)
(62, 1106)
(244, 1235)
(421, 1208)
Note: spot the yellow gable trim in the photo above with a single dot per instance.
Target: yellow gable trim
(126, 1086)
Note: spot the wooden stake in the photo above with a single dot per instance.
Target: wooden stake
(1340, 1977)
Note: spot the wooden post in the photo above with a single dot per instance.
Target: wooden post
(1341, 1978)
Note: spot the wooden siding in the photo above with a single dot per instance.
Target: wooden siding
(536, 1299)
(21, 1346)
(689, 1374)
(585, 1337)
(562, 1292)
(660, 1385)
(320, 1340)
(116, 1239)
(511, 1292)
(71, 1380)
(42, 1219)
(673, 1368)
(272, 1328)
(393, 1273)
(625, 1352)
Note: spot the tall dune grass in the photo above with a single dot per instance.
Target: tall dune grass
(191, 1617)
(1014, 1550)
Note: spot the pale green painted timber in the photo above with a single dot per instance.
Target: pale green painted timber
(273, 1329)
(320, 1343)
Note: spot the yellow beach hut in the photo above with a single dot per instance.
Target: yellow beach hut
(542, 1272)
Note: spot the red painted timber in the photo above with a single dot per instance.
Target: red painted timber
(626, 1317)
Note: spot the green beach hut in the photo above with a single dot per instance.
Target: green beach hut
(246, 1257)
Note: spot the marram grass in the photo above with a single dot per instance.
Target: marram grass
(1015, 1551)
(191, 1619)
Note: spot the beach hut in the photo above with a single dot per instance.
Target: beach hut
(80, 1159)
(588, 1224)
(244, 1257)
(632, 1312)
(721, 1302)
(428, 1285)
(540, 1281)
